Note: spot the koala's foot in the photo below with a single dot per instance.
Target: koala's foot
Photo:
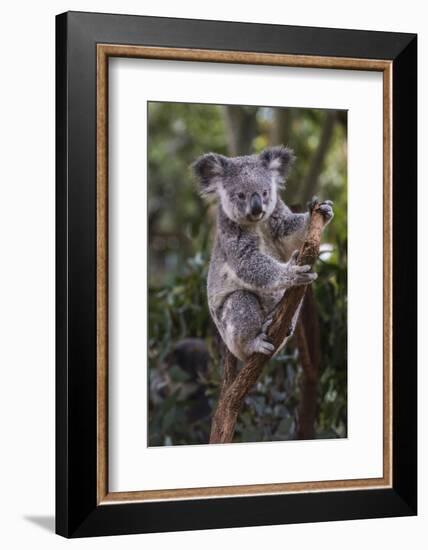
(325, 207)
(262, 344)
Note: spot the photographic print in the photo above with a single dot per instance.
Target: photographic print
(247, 328)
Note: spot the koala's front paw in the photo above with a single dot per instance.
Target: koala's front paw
(262, 344)
(303, 276)
(325, 207)
(299, 274)
(267, 323)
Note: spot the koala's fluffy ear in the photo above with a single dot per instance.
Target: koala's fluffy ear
(279, 159)
(209, 168)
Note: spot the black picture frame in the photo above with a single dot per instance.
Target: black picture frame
(77, 511)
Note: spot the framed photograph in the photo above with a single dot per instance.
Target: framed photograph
(236, 274)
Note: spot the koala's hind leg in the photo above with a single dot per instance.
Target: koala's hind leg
(241, 322)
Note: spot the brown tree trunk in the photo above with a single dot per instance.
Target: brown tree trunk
(230, 370)
(308, 345)
(311, 181)
(239, 384)
(241, 125)
(281, 126)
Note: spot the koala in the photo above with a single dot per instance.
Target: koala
(253, 260)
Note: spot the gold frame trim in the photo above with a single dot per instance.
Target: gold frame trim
(104, 51)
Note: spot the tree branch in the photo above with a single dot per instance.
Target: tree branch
(308, 344)
(237, 386)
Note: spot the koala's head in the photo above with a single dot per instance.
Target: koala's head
(247, 186)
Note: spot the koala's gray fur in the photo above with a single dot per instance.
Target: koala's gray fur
(252, 261)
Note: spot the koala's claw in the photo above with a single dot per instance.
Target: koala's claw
(262, 345)
(267, 323)
(326, 210)
(305, 278)
(294, 256)
(301, 268)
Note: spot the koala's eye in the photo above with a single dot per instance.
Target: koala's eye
(265, 193)
(241, 196)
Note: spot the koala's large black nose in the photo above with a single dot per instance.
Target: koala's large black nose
(256, 206)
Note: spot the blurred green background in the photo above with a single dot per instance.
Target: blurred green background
(295, 398)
